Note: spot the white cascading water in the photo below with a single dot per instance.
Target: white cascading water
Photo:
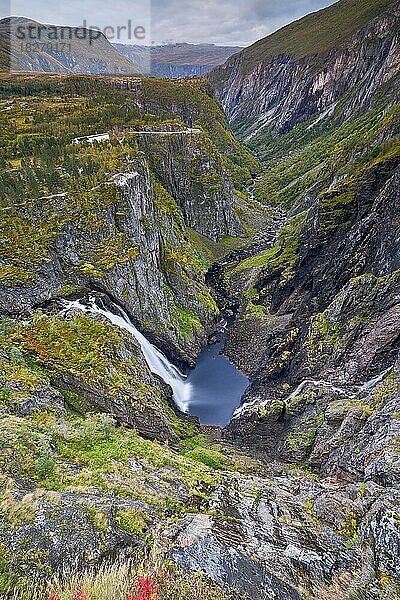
(157, 362)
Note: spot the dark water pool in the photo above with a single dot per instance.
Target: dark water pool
(216, 386)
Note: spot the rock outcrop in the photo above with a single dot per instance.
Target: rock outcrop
(191, 170)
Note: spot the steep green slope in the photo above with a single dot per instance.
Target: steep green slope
(305, 160)
(317, 33)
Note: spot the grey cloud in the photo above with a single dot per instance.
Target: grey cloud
(231, 22)
(225, 21)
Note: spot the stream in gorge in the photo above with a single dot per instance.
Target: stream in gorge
(211, 391)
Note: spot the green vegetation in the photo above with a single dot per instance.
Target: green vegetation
(48, 183)
(258, 260)
(132, 521)
(301, 438)
(282, 258)
(323, 338)
(93, 362)
(80, 346)
(104, 453)
(193, 99)
(187, 322)
(305, 157)
(198, 449)
(349, 528)
(389, 387)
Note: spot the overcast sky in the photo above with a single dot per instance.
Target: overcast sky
(224, 22)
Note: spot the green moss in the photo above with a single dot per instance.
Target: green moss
(346, 405)
(257, 261)
(90, 270)
(255, 311)
(18, 377)
(132, 521)
(386, 390)
(91, 453)
(166, 203)
(323, 338)
(5, 570)
(334, 209)
(207, 456)
(297, 403)
(187, 322)
(113, 250)
(349, 528)
(79, 346)
(17, 512)
(45, 464)
(98, 518)
(21, 445)
(310, 506)
(12, 275)
(282, 258)
(301, 438)
(67, 291)
(197, 448)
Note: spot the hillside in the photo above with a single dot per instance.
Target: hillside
(177, 60)
(56, 52)
(317, 33)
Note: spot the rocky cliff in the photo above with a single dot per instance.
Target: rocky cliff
(122, 228)
(303, 70)
(191, 169)
(317, 329)
(303, 321)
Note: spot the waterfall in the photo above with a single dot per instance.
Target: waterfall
(156, 361)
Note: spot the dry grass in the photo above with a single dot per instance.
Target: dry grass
(118, 580)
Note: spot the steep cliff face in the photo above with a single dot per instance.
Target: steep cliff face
(131, 245)
(318, 322)
(324, 116)
(189, 166)
(319, 307)
(286, 79)
(114, 216)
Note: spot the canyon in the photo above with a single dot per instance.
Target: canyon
(266, 195)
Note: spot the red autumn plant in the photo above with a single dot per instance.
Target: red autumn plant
(53, 597)
(146, 588)
(80, 595)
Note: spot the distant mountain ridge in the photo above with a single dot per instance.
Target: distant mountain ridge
(177, 60)
(89, 51)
